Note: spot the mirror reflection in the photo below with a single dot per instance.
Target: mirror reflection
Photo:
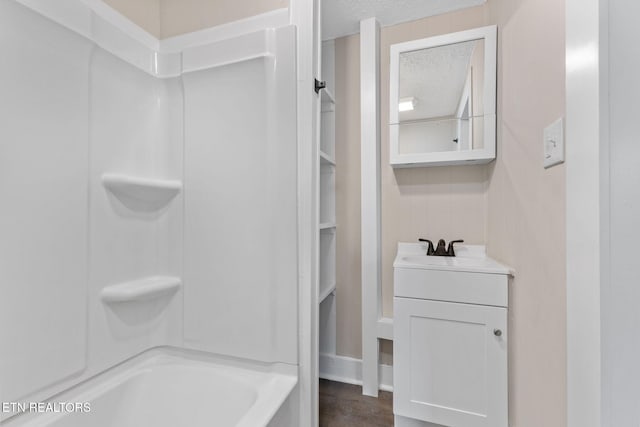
(440, 98)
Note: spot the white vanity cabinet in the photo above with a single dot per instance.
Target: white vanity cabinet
(450, 339)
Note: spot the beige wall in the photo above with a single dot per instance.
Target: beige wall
(144, 13)
(443, 202)
(185, 16)
(513, 205)
(526, 227)
(348, 265)
(167, 18)
(432, 203)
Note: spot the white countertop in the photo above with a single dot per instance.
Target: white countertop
(469, 258)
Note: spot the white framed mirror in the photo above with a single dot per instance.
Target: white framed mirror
(443, 99)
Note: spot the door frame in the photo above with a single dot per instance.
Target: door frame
(587, 203)
(305, 15)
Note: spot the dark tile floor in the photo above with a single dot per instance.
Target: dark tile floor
(343, 405)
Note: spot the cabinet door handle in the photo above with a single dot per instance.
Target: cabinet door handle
(497, 332)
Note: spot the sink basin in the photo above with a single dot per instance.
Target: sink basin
(471, 258)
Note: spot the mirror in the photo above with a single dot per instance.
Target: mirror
(442, 95)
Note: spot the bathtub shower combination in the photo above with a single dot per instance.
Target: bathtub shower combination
(144, 187)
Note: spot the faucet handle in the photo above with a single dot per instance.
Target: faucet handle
(430, 249)
(441, 249)
(450, 250)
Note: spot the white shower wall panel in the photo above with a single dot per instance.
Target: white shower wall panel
(133, 134)
(240, 270)
(71, 112)
(43, 202)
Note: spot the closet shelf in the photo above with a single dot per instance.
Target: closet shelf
(324, 293)
(327, 96)
(326, 159)
(141, 289)
(327, 225)
(141, 193)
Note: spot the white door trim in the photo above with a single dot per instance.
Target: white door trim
(370, 200)
(587, 205)
(302, 15)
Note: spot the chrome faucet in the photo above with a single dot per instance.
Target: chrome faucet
(441, 249)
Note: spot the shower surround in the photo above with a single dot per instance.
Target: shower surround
(140, 179)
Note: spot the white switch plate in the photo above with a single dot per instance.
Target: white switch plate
(554, 144)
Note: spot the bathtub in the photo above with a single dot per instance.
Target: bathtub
(168, 387)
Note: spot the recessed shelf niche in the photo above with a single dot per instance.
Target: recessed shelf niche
(327, 227)
(327, 193)
(327, 260)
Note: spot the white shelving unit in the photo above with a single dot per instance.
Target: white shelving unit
(327, 224)
(325, 159)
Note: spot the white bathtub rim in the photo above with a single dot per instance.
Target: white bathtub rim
(269, 401)
(272, 394)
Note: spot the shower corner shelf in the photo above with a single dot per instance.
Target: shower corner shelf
(141, 193)
(141, 289)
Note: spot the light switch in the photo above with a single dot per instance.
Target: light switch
(554, 144)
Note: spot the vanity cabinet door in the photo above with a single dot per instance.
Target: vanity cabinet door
(450, 363)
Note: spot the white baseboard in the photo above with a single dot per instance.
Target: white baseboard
(349, 370)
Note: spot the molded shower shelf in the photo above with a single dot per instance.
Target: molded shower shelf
(141, 290)
(141, 193)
